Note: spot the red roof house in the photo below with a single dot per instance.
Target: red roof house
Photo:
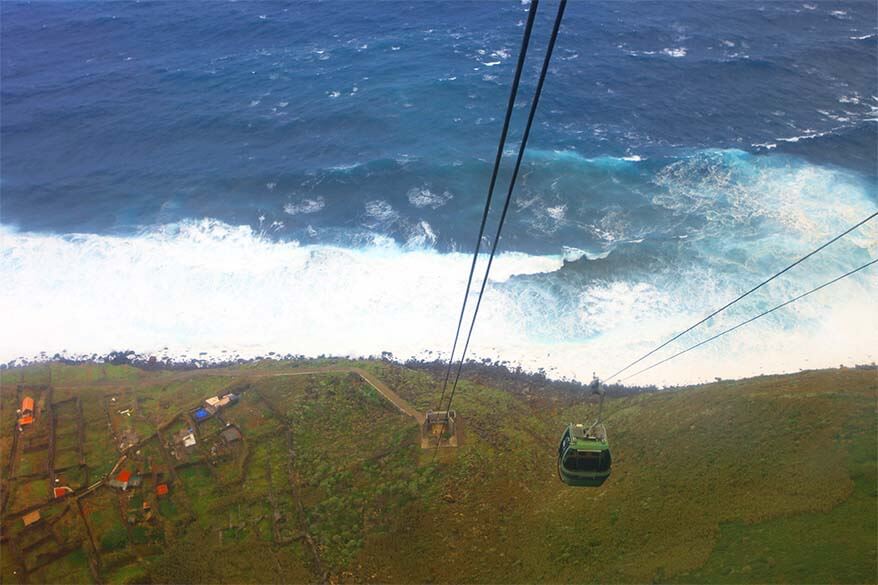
(124, 476)
(161, 489)
(62, 491)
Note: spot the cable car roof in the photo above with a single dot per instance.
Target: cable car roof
(584, 437)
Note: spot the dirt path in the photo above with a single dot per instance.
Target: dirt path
(382, 388)
(404, 406)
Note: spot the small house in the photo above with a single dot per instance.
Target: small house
(62, 491)
(27, 406)
(231, 434)
(121, 480)
(27, 411)
(189, 440)
(161, 489)
(215, 403)
(31, 518)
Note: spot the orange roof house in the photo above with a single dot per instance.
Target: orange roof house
(31, 518)
(27, 411)
(161, 489)
(124, 476)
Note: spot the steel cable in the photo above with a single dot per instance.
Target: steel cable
(531, 15)
(754, 289)
(750, 320)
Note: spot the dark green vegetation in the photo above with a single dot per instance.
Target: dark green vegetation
(771, 479)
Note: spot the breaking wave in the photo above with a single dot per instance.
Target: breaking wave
(224, 291)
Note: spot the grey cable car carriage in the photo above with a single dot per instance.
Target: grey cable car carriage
(584, 453)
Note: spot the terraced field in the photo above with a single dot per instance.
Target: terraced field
(771, 479)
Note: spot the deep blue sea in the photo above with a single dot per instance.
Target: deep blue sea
(220, 179)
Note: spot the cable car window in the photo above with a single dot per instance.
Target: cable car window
(584, 461)
(606, 460)
(564, 442)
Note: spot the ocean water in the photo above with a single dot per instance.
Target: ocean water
(216, 180)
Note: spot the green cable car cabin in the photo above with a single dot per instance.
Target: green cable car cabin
(584, 455)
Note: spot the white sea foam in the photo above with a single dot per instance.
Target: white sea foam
(735, 190)
(422, 236)
(206, 286)
(210, 287)
(675, 52)
(861, 38)
(345, 167)
(836, 117)
(809, 134)
(613, 226)
(491, 63)
(381, 210)
(572, 254)
(557, 212)
(305, 206)
(423, 197)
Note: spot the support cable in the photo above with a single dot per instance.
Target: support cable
(510, 106)
(751, 319)
(533, 109)
(754, 289)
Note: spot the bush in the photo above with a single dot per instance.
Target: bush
(114, 539)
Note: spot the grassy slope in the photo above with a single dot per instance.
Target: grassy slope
(689, 467)
(763, 480)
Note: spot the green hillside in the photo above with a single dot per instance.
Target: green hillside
(771, 479)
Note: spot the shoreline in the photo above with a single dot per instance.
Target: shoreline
(511, 376)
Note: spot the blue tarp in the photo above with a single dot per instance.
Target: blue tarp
(201, 414)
